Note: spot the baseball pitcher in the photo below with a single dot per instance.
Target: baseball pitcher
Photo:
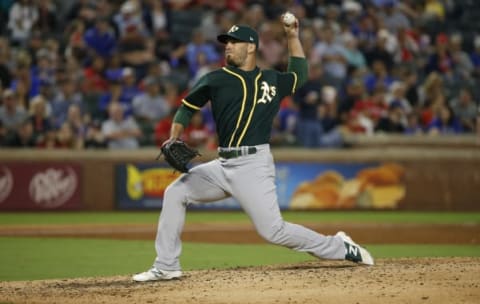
(244, 102)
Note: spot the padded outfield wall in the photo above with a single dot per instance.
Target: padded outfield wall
(373, 177)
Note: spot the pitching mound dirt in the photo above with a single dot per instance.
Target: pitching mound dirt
(428, 280)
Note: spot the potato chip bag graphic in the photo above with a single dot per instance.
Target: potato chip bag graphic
(378, 187)
(134, 182)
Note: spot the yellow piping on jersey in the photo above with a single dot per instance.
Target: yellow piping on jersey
(190, 105)
(243, 103)
(251, 111)
(294, 82)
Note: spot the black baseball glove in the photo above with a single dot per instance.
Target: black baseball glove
(177, 154)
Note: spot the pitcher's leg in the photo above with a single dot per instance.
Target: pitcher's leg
(202, 184)
(260, 203)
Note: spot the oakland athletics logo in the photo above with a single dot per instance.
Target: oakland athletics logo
(268, 92)
(233, 29)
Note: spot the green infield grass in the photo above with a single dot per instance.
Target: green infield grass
(123, 217)
(48, 258)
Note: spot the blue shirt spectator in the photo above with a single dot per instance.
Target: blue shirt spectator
(197, 46)
(101, 38)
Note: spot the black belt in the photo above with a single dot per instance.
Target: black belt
(237, 152)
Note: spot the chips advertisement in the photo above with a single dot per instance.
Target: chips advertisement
(300, 186)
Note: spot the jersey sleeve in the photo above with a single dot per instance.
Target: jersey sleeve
(199, 95)
(287, 83)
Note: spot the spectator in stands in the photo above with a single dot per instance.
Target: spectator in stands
(67, 96)
(12, 114)
(392, 17)
(151, 105)
(5, 71)
(67, 139)
(270, 50)
(114, 69)
(95, 80)
(42, 128)
(94, 138)
(429, 91)
(134, 45)
(101, 38)
(197, 46)
(129, 20)
(465, 109)
(76, 121)
(413, 126)
(366, 33)
(380, 51)
(367, 112)
(21, 92)
(331, 136)
(120, 132)
(197, 134)
(379, 77)
(308, 98)
(332, 55)
(47, 16)
(353, 55)
(162, 128)
(462, 65)
(22, 17)
(445, 122)
(76, 46)
(354, 90)
(26, 77)
(434, 10)
(474, 56)
(156, 14)
(395, 120)
(129, 86)
(24, 137)
(408, 47)
(431, 110)
(254, 15)
(409, 78)
(396, 95)
(84, 10)
(285, 124)
(114, 94)
(441, 60)
(3, 135)
(204, 67)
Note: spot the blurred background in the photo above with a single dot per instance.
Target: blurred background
(376, 66)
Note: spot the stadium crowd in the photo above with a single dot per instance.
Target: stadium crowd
(110, 73)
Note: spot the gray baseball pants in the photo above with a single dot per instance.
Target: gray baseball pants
(251, 180)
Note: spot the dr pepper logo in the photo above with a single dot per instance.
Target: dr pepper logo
(6, 183)
(52, 188)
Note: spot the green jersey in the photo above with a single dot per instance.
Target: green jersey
(244, 104)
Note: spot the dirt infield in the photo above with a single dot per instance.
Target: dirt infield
(426, 280)
(369, 233)
(439, 280)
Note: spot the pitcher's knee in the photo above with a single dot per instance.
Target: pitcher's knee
(274, 234)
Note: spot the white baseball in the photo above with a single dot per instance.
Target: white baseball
(288, 18)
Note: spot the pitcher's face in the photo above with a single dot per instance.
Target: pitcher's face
(236, 52)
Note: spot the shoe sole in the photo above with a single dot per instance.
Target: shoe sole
(166, 276)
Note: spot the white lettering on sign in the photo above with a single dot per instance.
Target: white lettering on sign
(53, 187)
(6, 183)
